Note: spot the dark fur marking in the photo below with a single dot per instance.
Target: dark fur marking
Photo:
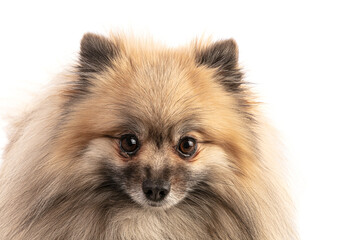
(164, 131)
(110, 181)
(166, 173)
(130, 171)
(160, 175)
(223, 55)
(157, 135)
(148, 172)
(111, 189)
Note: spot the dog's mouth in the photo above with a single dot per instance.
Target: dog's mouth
(156, 204)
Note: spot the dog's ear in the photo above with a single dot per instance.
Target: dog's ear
(96, 52)
(222, 56)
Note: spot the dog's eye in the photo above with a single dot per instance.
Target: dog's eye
(129, 144)
(187, 147)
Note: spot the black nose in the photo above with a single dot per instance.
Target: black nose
(155, 191)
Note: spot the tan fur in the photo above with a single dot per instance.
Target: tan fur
(49, 173)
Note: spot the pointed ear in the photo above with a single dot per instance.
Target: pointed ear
(96, 52)
(222, 56)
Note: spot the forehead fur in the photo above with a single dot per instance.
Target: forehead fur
(157, 86)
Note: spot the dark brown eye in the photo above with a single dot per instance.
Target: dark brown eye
(129, 144)
(187, 147)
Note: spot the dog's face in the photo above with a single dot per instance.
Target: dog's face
(157, 121)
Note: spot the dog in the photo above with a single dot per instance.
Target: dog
(141, 141)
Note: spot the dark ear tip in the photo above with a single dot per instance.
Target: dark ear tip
(87, 36)
(228, 46)
(223, 56)
(231, 43)
(222, 53)
(96, 52)
(89, 39)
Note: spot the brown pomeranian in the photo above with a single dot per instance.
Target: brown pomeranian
(141, 141)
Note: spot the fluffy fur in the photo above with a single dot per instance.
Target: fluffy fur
(64, 177)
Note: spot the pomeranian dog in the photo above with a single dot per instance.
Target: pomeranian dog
(145, 142)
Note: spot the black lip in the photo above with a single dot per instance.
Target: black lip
(155, 204)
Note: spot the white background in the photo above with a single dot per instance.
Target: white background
(303, 58)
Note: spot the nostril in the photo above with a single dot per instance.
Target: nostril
(163, 193)
(149, 192)
(164, 190)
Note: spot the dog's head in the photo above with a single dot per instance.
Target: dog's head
(153, 122)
